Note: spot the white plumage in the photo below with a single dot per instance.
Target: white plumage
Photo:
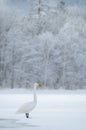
(29, 106)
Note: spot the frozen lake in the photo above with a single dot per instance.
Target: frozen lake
(56, 110)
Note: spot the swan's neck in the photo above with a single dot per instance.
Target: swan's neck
(35, 97)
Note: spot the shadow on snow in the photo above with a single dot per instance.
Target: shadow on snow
(13, 123)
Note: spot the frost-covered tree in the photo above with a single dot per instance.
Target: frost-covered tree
(53, 56)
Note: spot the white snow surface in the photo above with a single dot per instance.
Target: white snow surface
(55, 110)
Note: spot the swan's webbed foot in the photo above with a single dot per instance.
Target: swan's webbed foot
(27, 115)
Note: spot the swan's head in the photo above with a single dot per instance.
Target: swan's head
(37, 85)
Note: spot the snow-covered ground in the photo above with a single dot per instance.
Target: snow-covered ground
(56, 110)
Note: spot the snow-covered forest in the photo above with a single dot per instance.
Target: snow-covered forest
(45, 44)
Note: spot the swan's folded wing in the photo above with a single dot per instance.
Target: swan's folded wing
(26, 108)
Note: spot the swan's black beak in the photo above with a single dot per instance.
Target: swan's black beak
(38, 85)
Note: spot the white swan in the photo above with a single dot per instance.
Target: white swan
(29, 106)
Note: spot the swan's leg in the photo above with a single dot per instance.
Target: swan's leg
(27, 115)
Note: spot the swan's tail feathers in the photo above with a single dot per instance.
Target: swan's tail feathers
(19, 111)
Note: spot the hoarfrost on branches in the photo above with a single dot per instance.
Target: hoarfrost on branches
(46, 47)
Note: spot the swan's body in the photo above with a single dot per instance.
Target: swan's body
(29, 106)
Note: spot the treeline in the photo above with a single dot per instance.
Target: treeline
(47, 45)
